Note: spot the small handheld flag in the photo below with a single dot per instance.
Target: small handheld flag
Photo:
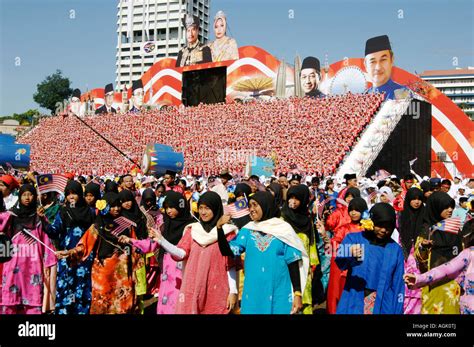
(119, 225)
(238, 209)
(51, 183)
(450, 225)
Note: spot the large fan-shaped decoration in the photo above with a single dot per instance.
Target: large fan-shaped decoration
(257, 86)
(348, 79)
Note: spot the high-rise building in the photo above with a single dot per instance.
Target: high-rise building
(456, 84)
(148, 30)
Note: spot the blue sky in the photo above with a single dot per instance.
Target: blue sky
(45, 38)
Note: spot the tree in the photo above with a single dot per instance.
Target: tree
(25, 118)
(55, 88)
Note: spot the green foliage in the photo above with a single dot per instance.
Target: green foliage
(54, 88)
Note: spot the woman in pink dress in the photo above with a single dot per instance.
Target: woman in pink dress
(23, 275)
(209, 279)
(177, 217)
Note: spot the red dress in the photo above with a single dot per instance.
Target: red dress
(337, 278)
(205, 286)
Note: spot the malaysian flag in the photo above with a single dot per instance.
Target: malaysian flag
(28, 239)
(450, 225)
(238, 209)
(51, 183)
(119, 225)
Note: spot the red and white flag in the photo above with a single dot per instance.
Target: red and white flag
(119, 225)
(51, 183)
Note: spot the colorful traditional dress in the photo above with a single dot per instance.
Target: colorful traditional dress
(23, 275)
(376, 281)
(113, 287)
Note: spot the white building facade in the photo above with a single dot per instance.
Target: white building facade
(457, 84)
(149, 30)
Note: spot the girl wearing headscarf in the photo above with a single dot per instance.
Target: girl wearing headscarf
(337, 278)
(386, 195)
(111, 187)
(50, 204)
(131, 211)
(73, 283)
(149, 207)
(209, 280)
(460, 268)
(92, 195)
(296, 213)
(435, 247)
(410, 225)
(24, 275)
(176, 219)
(113, 286)
(276, 263)
(338, 218)
(223, 47)
(374, 261)
(276, 190)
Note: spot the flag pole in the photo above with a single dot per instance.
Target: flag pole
(33, 236)
(106, 140)
(38, 191)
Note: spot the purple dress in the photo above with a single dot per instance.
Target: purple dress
(460, 268)
(170, 279)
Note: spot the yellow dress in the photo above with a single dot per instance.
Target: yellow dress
(441, 298)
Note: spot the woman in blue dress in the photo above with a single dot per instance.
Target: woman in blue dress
(374, 283)
(276, 262)
(73, 284)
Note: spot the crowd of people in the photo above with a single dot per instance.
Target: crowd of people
(294, 132)
(127, 244)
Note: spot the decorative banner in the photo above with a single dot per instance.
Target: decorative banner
(18, 155)
(260, 166)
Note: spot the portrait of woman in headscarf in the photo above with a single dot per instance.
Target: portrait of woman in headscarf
(223, 47)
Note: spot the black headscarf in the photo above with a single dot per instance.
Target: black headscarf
(436, 203)
(21, 210)
(355, 192)
(94, 189)
(445, 244)
(80, 215)
(242, 189)
(276, 189)
(298, 218)
(174, 227)
(214, 202)
(134, 214)
(357, 204)
(411, 220)
(149, 195)
(267, 204)
(25, 215)
(383, 215)
(106, 249)
(111, 186)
